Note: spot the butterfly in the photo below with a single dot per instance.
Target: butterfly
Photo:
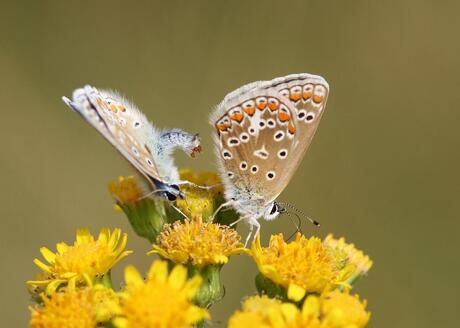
(261, 133)
(147, 148)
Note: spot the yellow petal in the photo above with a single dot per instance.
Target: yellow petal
(132, 277)
(62, 248)
(177, 277)
(295, 292)
(158, 271)
(47, 254)
(42, 265)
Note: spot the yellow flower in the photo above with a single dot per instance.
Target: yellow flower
(71, 308)
(303, 265)
(126, 190)
(82, 262)
(200, 202)
(161, 301)
(355, 263)
(198, 243)
(337, 310)
(344, 310)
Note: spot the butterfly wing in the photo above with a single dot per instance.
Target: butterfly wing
(121, 123)
(262, 132)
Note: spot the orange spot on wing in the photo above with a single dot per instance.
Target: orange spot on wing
(122, 108)
(261, 104)
(222, 127)
(307, 95)
(291, 128)
(237, 117)
(273, 105)
(317, 99)
(283, 116)
(114, 108)
(249, 110)
(295, 96)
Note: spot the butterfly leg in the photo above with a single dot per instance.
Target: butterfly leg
(226, 204)
(179, 210)
(189, 183)
(236, 221)
(253, 223)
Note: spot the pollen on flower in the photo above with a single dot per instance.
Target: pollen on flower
(199, 202)
(161, 300)
(126, 190)
(79, 264)
(198, 243)
(338, 310)
(354, 262)
(70, 308)
(345, 310)
(303, 265)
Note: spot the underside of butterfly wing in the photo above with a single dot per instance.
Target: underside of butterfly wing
(122, 124)
(263, 131)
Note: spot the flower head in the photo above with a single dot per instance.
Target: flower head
(88, 258)
(303, 265)
(75, 308)
(198, 243)
(337, 310)
(354, 262)
(126, 190)
(161, 300)
(200, 202)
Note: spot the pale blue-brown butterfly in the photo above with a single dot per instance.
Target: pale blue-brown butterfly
(262, 132)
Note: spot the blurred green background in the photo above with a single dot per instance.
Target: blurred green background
(383, 170)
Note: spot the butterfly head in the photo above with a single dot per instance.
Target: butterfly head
(173, 192)
(273, 210)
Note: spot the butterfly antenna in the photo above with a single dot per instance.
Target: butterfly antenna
(295, 209)
(298, 227)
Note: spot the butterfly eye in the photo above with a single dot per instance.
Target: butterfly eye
(274, 209)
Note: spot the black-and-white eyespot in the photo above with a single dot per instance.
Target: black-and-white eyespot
(285, 93)
(279, 135)
(262, 124)
(233, 142)
(271, 123)
(230, 174)
(135, 151)
(261, 153)
(244, 137)
(137, 124)
(270, 175)
(252, 131)
(226, 154)
(254, 169)
(243, 166)
(149, 162)
(302, 114)
(310, 117)
(282, 154)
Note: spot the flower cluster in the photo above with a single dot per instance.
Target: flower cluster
(302, 283)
